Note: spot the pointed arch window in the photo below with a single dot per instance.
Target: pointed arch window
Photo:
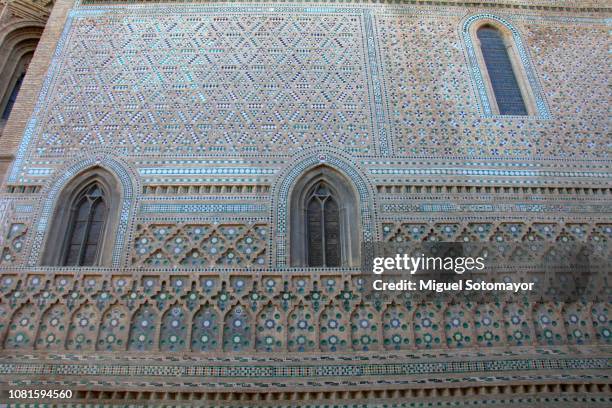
(323, 218)
(86, 227)
(85, 219)
(502, 76)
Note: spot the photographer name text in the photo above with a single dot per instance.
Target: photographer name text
(460, 285)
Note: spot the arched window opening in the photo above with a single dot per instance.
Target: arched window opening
(18, 41)
(323, 219)
(86, 227)
(85, 221)
(504, 84)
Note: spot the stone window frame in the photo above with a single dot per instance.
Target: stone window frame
(57, 236)
(521, 66)
(350, 219)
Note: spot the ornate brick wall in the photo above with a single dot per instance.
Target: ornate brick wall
(209, 113)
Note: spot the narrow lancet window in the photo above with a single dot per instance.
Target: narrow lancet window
(323, 220)
(503, 79)
(88, 216)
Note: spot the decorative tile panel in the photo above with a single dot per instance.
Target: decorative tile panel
(200, 245)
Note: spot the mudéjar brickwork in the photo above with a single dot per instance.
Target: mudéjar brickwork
(205, 124)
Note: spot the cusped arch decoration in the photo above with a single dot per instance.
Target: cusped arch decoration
(537, 104)
(312, 167)
(85, 168)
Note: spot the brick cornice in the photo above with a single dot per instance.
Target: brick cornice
(30, 10)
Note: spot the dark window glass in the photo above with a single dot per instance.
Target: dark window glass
(86, 227)
(503, 80)
(9, 105)
(332, 233)
(315, 238)
(323, 219)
